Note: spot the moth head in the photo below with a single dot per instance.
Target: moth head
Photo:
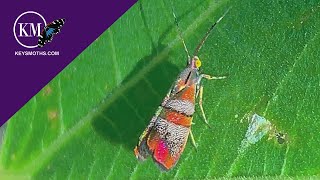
(195, 62)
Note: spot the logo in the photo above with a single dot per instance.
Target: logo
(31, 30)
(27, 28)
(48, 32)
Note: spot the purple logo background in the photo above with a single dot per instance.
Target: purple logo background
(21, 77)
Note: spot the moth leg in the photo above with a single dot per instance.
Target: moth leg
(206, 76)
(201, 107)
(200, 92)
(193, 141)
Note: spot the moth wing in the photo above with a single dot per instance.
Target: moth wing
(162, 139)
(166, 142)
(141, 150)
(188, 93)
(184, 79)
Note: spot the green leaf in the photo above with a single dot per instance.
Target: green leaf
(86, 121)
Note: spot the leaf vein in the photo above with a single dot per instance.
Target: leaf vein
(62, 128)
(287, 75)
(114, 58)
(151, 87)
(285, 161)
(134, 109)
(114, 162)
(92, 167)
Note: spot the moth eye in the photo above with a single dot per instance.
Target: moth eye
(198, 63)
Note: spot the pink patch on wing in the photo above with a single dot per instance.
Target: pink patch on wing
(161, 152)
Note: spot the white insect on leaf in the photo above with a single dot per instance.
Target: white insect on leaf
(257, 129)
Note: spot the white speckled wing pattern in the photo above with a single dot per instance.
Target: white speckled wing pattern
(174, 135)
(182, 106)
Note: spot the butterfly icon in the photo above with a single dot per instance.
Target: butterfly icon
(48, 31)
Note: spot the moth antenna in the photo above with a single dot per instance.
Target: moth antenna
(208, 33)
(179, 31)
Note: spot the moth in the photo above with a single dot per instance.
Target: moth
(166, 135)
(51, 29)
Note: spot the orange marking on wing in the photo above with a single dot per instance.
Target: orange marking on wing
(153, 140)
(189, 93)
(136, 151)
(159, 149)
(178, 118)
(170, 161)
